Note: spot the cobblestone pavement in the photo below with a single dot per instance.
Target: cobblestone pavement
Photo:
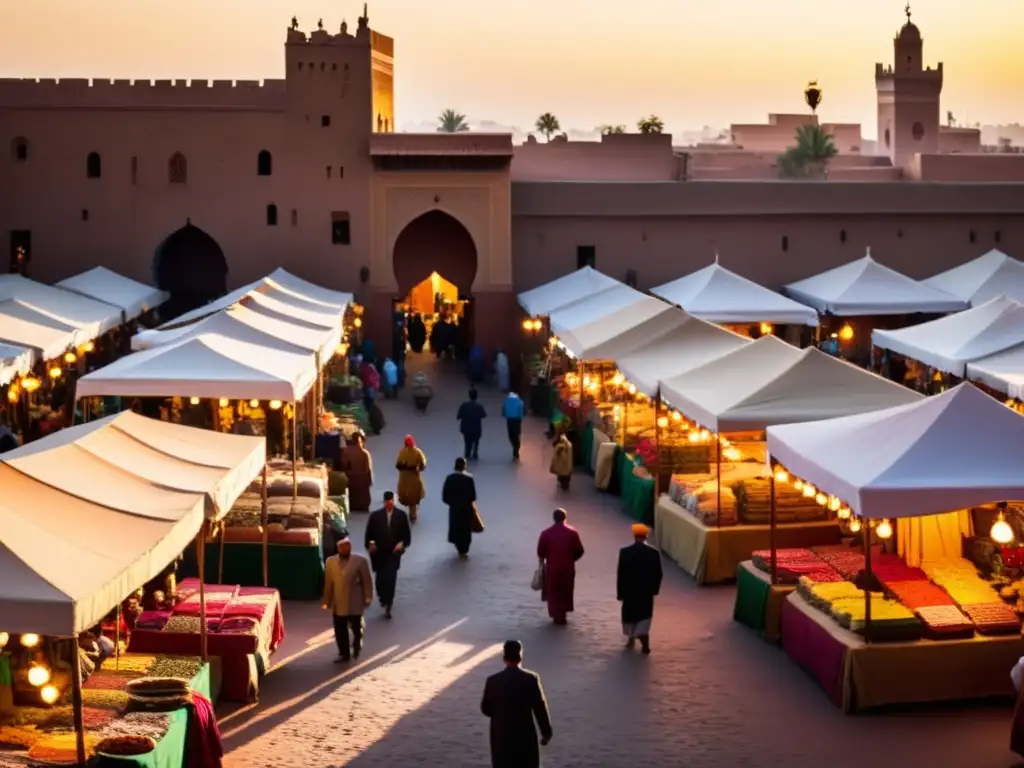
(712, 694)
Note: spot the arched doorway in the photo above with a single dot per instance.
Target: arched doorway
(189, 265)
(435, 245)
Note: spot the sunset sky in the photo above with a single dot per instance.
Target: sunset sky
(692, 62)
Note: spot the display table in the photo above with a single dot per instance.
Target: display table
(637, 492)
(170, 750)
(296, 570)
(758, 603)
(857, 676)
(241, 654)
(711, 555)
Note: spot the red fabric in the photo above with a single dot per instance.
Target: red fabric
(368, 373)
(560, 547)
(192, 607)
(816, 650)
(204, 748)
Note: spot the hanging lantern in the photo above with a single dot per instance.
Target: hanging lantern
(781, 476)
(70, 357)
(275, 405)
(844, 513)
(30, 640)
(254, 403)
(88, 347)
(194, 400)
(884, 530)
(49, 694)
(766, 329)
(358, 322)
(813, 96)
(223, 402)
(810, 491)
(4, 639)
(12, 394)
(854, 525)
(821, 499)
(1001, 532)
(798, 485)
(56, 372)
(834, 504)
(38, 675)
(662, 422)
(846, 333)
(30, 383)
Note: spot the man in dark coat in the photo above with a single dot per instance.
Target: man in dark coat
(471, 416)
(388, 536)
(459, 493)
(513, 699)
(639, 580)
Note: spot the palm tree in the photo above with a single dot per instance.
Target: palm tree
(451, 121)
(650, 124)
(809, 157)
(547, 124)
(607, 130)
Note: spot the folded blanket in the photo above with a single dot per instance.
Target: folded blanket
(152, 619)
(253, 610)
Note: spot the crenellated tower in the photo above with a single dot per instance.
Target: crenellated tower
(908, 99)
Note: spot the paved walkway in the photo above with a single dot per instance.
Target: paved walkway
(712, 695)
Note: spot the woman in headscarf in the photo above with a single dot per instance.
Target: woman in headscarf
(422, 392)
(561, 462)
(410, 465)
(459, 493)
(357, 464)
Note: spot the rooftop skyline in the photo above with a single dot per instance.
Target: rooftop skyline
(587, 61)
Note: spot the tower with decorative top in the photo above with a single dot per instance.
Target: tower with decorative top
(908, 99)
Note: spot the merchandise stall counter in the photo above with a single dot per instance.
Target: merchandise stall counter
(758, 602)
(712, 555)
(637, 490)
(246, 626)
(857, 676)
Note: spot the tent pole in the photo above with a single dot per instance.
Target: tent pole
(117, 637)
(201, 558)
(582, 369)
(867, 586)
(718, 479)
(657, 448)
(76, 701)
(220, 555)
(264, 522)
(318, 402)
(295, 450)
(772, 533)
(85, 410)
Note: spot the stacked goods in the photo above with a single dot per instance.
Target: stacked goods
(822, 594)
(684, 457)
(126, 746)
(794, 564)
(944, 622)
(918, 594)
(847, 562)
(993, 618)
(892, 569)
(703, 502)
(753, 499)
(961, 581)
(889, 619)
(61, 749)
(351, 417)
(159, 693)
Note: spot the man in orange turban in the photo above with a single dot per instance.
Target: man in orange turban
(637, 583)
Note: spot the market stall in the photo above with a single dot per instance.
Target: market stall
(718, 295)
(870, 625)
(337, 300)
(544, 299)
(710, 522)
(119, 499)
(101, 284)
(1002, 372)
(861, 295)
(15, 361)
(90, 317)
(982, 279)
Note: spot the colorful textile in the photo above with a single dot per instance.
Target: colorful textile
(204, 747)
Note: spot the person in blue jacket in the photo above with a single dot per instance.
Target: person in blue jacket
(513, 410)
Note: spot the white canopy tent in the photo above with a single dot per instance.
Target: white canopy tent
(92, 318)
(689, 345)
(865, 287)
(14, 361)
(217, 305)
(951, 451)
(949, 343)
(545, 299)
(47, 337)
(616, 330)
(986, 277)
(595, 306)
(771, 382)
(90, 513)
(205, 365)
(243, 324)
(720, 296)
(287, 307)
(131, 297)
(1003, 372)
(338, 300)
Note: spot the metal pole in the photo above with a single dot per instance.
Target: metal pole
(201, 558)
(582, 368)
(657, 448)
(867, 586)
(117, 637)
(295, 450)
(771, 523)
(718, 478)
(264, 522)
(76, 701)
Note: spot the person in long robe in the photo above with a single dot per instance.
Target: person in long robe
(471, 416)
(357, 464)
(410, 465)
(558, 549)
(459, 493)
(638, 582)
(348, 592)
(417, 333)
(501, 371)
(561, 462)
(513, 700)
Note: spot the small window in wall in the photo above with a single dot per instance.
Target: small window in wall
(21, 251)
(785, 243)
(972, 236)
(177, 169)
(19, 149)
(135, 170)
(93, 166)
(586, 256)
(917, 131)
(85, 214)
(341, 233)
(271, 215)
(998, 236)
(264, 163)
(341, 171)
(842, 235)
(300, 66)
(295, 218)
(328, 171)
(325, 121)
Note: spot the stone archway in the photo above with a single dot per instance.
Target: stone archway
(435, 241)
(190, 266)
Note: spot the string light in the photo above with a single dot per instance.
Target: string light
(88, 347)
(810, 491)
(766, 329)
(69, 357)
(677, 416)
(662, 422)
(275, 405)
(1001, 532)
(834, 504)
(254, 403)
(223, 402)
(194, 400)
(56, 372)
(631, 389)
(38, 675)
(4, 639)
(781, 476)
(30, 640)
(358, 322)
(821, 499)
(49, 694)
(854, 525)
(884, 530)
(12, 394)
(30, 383)
(798, 485)
(844, 513)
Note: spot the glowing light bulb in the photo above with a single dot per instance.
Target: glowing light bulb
(854, 525)
(810, 491)
(798, 484)
(821, 499)
(38, 675)
(527, 324)
(677, 416)
(4, 639)
(631, 389)
(88, 347)
(254, 403)
(663, 421)
(194, 400)
(766, 328)
(49, 694)
(1001, 532)
(12, 395)
(275, 405)
(844, 513)
(30, 384)
(834, 504)
(781, 476)
(846, 333)
(884, 530)
(70, 357)
(30, 640)
(705, 435)
(694, 437)
(223, 402)
(358, 322)
(56, 372)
